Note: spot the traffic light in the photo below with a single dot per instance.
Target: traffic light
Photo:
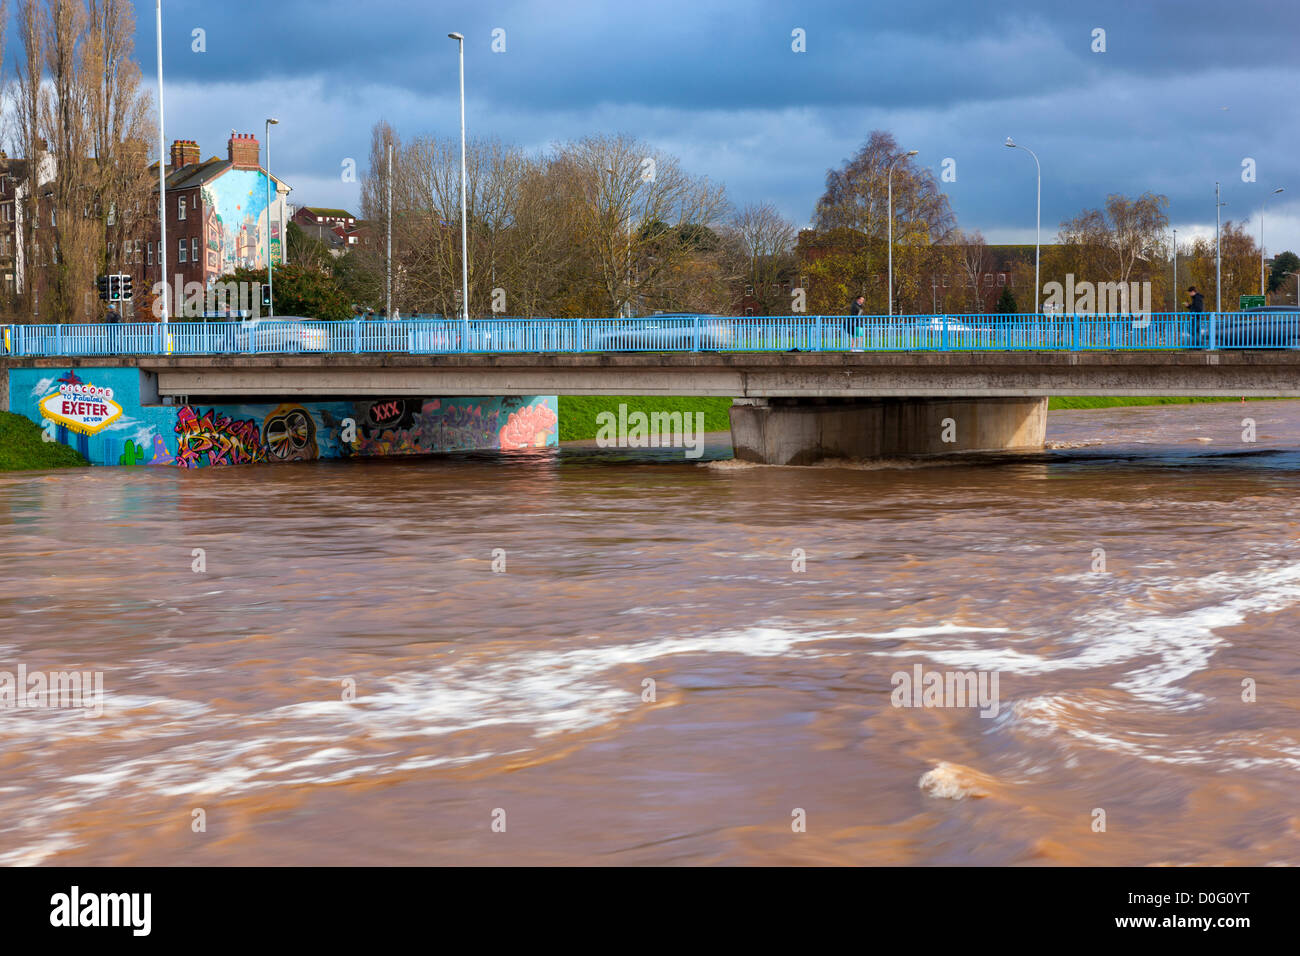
(102, 282)
(266, 294)
(114, 288)
(127, 294)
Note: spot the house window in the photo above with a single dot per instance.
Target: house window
(988, 278)
(749, 311)
(749, 290)
(54, 219)
(181, 257)
(194, 249)
(180, 209)
(1002, 278)
(137, 250)
(148, 252)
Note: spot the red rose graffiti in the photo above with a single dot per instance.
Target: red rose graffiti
(215, 439)
(528, 427)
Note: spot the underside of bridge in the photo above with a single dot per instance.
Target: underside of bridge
(792, 431)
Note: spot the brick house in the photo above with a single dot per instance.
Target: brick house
(218, 219)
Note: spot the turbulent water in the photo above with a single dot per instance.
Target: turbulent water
(626, 657)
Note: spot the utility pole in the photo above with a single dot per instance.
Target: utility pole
(1218, 255)
(162, 175)
(388, 270)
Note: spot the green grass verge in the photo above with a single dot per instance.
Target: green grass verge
(578, 412)
(1094, 401)
(22, 448)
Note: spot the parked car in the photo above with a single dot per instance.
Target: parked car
(667, 330)
(280, 334)
(1261, 327)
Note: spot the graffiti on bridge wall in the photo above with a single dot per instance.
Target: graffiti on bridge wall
(195, 436)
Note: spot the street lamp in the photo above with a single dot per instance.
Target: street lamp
(890, 179)
(162, 175)
(1038, 242)
(1279, 189)
(1175, 293)
(464, 240)
(270, 288)
(625, 223)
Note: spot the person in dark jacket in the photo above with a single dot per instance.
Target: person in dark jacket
(1195, 304)
(854, 327)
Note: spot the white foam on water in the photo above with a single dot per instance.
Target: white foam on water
(1182, 643)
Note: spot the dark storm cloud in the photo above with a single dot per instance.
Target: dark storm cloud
(718, 84)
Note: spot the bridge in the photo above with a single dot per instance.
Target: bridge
(803, 391)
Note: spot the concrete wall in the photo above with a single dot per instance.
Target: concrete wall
(801, 431)
(1262, 373)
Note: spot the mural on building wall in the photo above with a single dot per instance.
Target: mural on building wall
(202, 436)
(236, 224)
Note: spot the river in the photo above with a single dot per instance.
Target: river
(604, 656)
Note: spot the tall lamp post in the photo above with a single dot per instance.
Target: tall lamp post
(388, 261)
(162, 175)
(1175, 293)
(464, 240)
(1279, 189)
(270, 288)
(890, 180)
(1038, 242)
(1218, 256)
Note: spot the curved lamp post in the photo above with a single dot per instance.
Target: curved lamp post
(890, 179)
(464, 241)
(1280, 189)
(270, 289)
(1038, 242)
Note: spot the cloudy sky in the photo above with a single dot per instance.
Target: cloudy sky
(1184, 93)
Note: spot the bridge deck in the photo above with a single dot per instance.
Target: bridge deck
(1256, 373)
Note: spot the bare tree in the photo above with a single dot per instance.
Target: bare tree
(763, 239)
(640, 217)
(975, 261)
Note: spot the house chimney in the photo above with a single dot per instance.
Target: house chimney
(185, 152)
(243, 150)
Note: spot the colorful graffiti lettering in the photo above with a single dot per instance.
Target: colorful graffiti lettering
(528, 427)
(215, 439)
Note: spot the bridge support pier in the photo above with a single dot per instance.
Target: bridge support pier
(800, 431)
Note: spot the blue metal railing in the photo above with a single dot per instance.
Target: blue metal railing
(816, 333)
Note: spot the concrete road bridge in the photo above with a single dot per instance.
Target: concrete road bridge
(808, 395)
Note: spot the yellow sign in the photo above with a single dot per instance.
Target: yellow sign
(82, 407)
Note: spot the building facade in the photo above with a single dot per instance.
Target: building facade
(218, 217)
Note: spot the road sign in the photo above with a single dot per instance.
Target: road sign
(1252, 302)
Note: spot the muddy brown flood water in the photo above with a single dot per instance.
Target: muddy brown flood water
(521, 694)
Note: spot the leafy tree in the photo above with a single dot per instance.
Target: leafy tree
(1283, 264)
(307, 250)
(1007, 302)
(303, 291)
(360, 275)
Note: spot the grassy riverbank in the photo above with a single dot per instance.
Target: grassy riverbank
(578, 412)
(23, 449)
(1094, 401)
